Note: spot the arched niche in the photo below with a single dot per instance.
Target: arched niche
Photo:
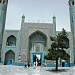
(9, 57)
(11, 41)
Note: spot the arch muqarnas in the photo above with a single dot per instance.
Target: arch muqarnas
(38, 37)
(9, 57)
(11, 41)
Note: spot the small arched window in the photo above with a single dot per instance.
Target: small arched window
(11, 41)
(0, 1)
(72, 2)
(3, 1)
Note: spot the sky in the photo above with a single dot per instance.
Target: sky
(34, 10)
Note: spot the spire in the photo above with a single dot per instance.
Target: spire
(23, 19)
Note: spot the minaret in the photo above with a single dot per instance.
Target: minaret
(23, 19)
(54, 26)
(3, 9)
(72, 21)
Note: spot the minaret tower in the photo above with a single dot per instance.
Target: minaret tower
(72, 21)
(54, 26)
(3, 9)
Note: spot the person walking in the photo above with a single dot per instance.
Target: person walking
(25, 64)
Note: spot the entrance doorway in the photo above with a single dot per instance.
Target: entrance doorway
(63, 64)
(37, 59)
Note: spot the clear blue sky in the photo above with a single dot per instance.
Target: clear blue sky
(34, 10)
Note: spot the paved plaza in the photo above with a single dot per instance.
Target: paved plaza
(20, 70)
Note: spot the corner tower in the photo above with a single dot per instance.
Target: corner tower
(72, 21)
(3, 9)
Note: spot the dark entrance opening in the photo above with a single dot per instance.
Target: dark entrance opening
(63, 64)
(37, 59)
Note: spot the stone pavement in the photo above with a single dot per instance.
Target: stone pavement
(20, 70)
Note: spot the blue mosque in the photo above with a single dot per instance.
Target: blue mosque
(33, 39)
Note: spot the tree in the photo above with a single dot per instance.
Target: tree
(58, 46)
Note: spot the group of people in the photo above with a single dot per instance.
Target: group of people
(26, 65)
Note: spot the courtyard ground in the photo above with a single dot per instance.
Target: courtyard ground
(20, 70)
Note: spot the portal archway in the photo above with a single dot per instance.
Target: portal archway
(9, 57)
(37, 43)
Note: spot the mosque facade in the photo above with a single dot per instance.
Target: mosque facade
(33, 39)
